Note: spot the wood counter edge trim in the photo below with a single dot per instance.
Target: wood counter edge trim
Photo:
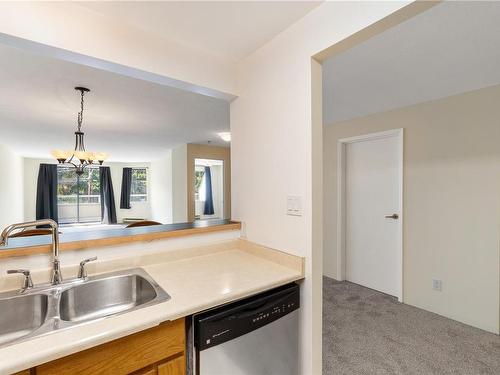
(110, 241)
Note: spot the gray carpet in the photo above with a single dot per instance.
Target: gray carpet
(367, 332)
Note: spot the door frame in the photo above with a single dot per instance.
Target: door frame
(341, 209)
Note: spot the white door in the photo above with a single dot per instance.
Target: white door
(372, 184)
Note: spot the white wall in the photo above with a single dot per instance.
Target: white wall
(272, 146)
(451, 202)
(179, 184)
(161, 189)
(11, 197)
(30, 171)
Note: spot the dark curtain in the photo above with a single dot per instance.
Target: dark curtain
(46, 192)
(209, 202)
(126, 186)
(108, 209)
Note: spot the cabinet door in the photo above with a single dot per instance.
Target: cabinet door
(123, 356)
(176, 366)
(149, 371)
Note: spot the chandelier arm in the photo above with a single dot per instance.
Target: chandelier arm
(70, 162)
(76, 141)
(82, 143)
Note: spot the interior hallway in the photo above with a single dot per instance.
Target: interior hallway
(368, 332)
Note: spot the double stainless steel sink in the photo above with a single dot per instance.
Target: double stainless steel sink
(49, 308)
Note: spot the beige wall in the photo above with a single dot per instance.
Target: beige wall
(274, 145)
(179, 184)
(183, 178)
(451, 202)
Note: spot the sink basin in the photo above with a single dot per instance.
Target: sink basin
(21, 315)
(48, 308)
(103, 297)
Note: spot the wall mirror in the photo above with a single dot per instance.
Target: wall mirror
(153, 154)
(209, 189)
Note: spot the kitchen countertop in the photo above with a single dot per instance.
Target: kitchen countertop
(196, 280)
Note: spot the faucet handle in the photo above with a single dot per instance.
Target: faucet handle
(82, 272)
(27, 282)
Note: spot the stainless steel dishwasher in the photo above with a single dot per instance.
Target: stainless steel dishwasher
(254, 336)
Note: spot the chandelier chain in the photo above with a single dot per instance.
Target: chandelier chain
(80, 114)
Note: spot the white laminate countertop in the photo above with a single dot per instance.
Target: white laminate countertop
(201, 279)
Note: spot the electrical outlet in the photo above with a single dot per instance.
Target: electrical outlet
(294, 205)
(437, 285)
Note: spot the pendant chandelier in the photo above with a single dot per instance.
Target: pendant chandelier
(79, 158)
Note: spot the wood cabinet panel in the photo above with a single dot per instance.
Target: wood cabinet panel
(176, 366)
(125, 355)
(148, 371)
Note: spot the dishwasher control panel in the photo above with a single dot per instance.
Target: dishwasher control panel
(276, 311)
(228, 322)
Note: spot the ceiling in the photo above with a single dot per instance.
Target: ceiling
(130, 119)
(228, 29)
(449, 49)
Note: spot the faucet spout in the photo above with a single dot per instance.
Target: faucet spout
(56, 268)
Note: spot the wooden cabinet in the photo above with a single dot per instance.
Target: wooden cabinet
(173, 367)
(170, 367)
(156, 351)
(153, 370)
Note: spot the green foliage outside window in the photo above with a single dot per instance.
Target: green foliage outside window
(139, 188)
(198, 177)
(72, 189)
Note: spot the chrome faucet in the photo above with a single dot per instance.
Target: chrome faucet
(56, 267)
(82, 271)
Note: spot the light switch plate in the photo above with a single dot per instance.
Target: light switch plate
(437, 285)
(294, 205)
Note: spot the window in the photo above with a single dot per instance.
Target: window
(78, 197)
(139, 188)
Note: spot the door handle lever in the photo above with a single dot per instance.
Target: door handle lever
(393, 216)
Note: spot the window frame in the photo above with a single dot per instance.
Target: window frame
(146, 180)
(78, 197)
